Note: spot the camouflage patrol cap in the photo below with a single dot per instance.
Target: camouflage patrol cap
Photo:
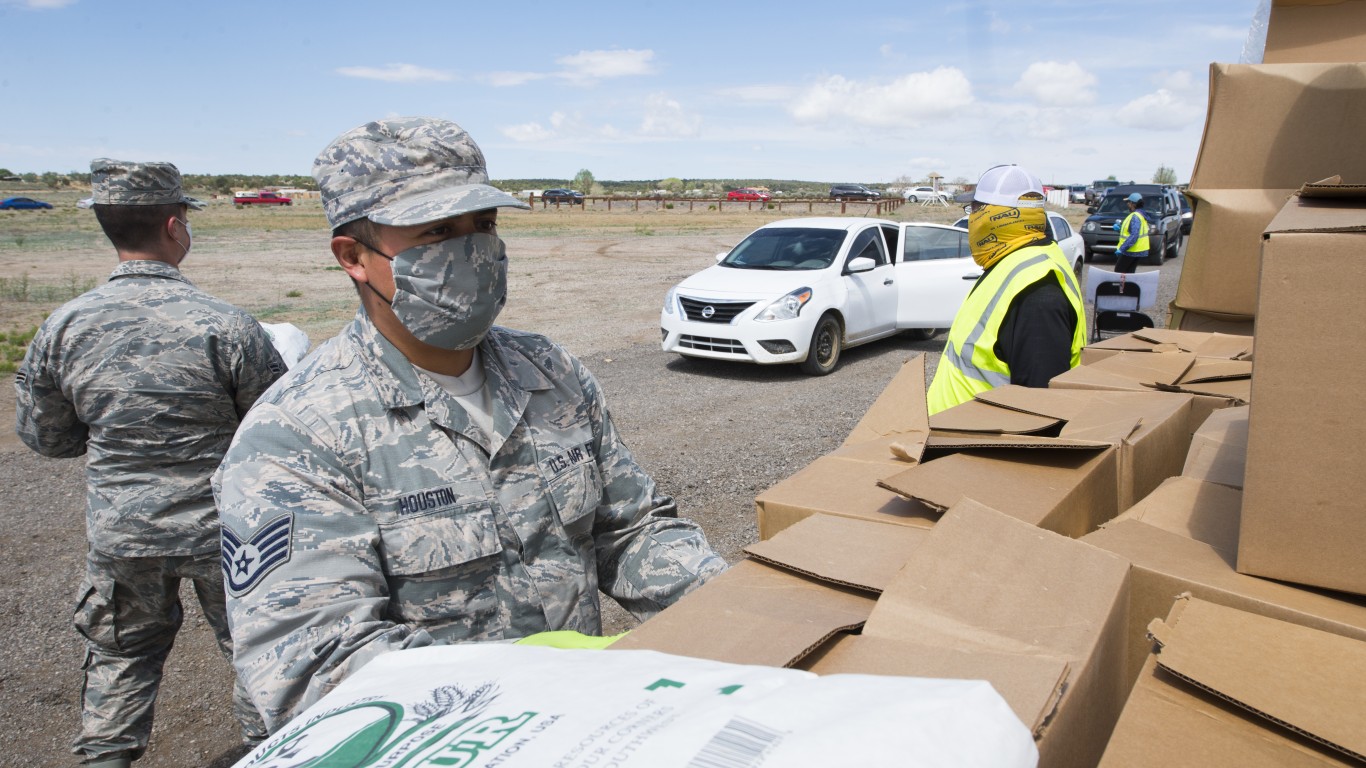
(122, 182)
(408, 170)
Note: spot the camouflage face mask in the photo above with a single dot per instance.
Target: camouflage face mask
(448, 294)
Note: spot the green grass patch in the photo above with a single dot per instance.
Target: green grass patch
(13, 344)
(22, 288)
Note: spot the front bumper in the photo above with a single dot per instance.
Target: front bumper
(784, 341)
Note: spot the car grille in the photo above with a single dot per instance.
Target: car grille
(721, 311)
(709, 344)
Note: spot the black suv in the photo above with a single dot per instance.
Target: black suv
(1162, 208)
(562, 196)
(853, 192)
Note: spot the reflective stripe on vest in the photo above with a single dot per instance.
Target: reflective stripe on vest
(959, 368)
(1140, 242)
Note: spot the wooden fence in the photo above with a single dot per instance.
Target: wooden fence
(877, 207)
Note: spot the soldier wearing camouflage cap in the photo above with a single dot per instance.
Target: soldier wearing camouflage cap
(148, 377)
(428, 477)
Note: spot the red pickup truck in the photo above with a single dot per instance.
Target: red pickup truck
(240, 199)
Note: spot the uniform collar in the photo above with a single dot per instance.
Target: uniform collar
(508, 372)
(148, 268)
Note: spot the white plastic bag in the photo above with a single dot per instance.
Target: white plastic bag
(289, 340)
(507, 706)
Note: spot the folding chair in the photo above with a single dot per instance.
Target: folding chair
(1118, 299)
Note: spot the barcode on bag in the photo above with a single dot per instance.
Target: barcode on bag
(739, 744)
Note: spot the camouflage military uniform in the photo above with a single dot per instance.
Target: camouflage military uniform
(148, 377)
(364, 512)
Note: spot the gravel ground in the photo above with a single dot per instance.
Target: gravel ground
(712, 434)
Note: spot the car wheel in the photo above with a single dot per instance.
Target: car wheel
(1155, 255)
(1174, 249)
(912, 199)
(922, 334)
(826, 343)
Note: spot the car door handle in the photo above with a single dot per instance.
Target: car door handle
(888, 281)
(972, 277)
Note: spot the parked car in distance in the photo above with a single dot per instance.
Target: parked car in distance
(1070, 240)
(240, 199)
(562, 196)
(853, 192)
(748, 194)
(1076, 193)
(22, 204)
(1187, 213)
(803, 290)
(1162, 208)
(916, 194)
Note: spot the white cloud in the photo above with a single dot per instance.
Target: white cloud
(1161, 110)
(907, 101)
(396, 73)
(40, 5)
(562, 127)
(1180, 81)
(666, 117)
(1055, 84)
(591, 66)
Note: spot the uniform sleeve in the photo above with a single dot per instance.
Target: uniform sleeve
(258, 364)
(307, 598)
(1036, 336)
(44, 418)
(647, 557)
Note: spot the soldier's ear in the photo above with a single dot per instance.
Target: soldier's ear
(347, 251)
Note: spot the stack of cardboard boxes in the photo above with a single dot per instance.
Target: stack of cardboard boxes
(1161, 558)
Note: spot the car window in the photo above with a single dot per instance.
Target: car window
(868, 244)
(931, 243)
(786, 248)
(890, 235)
(1059, 228)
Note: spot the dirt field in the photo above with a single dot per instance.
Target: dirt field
(713, 435)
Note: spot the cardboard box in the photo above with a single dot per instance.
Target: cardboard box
(986, 596)
(889, 438)
(1159, 340)
(1214, 383)
(1218, 452)
(1269, 129)
(1224, 688)
(1315, 31)
(1303, 515)
(814, 579)
(1183, 539)
(1064, 460)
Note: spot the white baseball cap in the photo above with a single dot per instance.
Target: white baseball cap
(1010, 186)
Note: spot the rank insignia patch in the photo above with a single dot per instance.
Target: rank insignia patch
(246, 562)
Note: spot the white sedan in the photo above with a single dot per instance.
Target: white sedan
(802, 290)
(917, 194)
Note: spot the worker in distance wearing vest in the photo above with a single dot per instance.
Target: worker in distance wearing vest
(1023, 322)
(1133, 236)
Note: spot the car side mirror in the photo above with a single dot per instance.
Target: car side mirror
(1090, 209)
(861, 264)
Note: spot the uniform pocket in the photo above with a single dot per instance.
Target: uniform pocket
(443, 566)
(96, 611)
(576, 494)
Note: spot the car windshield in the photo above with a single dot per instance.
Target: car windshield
(1115, 204)
(786, 248)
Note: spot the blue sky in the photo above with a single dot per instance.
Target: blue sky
(822, 91)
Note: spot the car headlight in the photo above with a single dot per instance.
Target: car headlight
(786, 308)
(1089, 226)
(669, 301)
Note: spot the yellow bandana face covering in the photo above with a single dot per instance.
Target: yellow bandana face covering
(996, 230)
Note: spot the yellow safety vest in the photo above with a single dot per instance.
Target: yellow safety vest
(969, 364)
(1141, 242)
